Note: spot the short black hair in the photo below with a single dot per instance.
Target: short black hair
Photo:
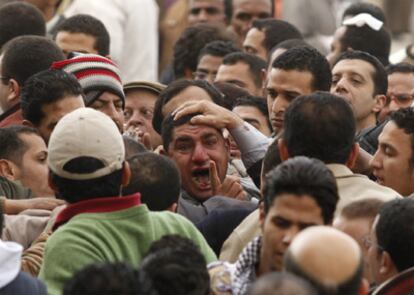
(218, 48)
(174, 89)
(88, 25)
(306, 59)
(107, 279)
(303, 176)
(175, 265)
(379, 76)
(44, 88)
(168, 126)
(156, 178)
(395, 232)
(349, 286)
(320, 125)
(402, 67)
(376, 43)
(12, 147)
(364, 7)
(275, 31)
(18, 19)
(189, 44)
(404, 119)
(257, 102)
(271, 158)
(25, 56)
(287, 44)
(74, 191)
(256, 64)
(230, 93)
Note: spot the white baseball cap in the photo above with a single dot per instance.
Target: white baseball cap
(85, 132)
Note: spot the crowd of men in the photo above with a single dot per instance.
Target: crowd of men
(255, 165)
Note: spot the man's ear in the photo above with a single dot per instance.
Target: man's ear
(353, 155)
(387, 266)
(349, 49)
(173, 208)
(162, 151)
(283, 151)
(13, 92)
(263, 77)
(126, 174)
(380, 101)
(8, 169)
(27, 123)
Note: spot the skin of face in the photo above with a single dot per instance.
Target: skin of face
(33, 171)
(245, 12)
(400, 85)
(336, 47)
(111, 105)
(76, 42)
(54, 111)
(192, 147)
(240, 76)
(255, 117)
(188, 94)
(352, 79)
(288, 215)
(358, 229)
(206, 11)
(282, 88)
(392, 163)
(139, 110)
(253, 43)
(207, 67)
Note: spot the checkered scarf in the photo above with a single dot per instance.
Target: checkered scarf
(245, 273)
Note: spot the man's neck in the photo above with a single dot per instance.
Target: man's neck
(369, 121)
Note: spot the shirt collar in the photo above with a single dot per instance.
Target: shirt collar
(97, 205)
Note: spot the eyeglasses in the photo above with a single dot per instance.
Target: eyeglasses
(401, 99)
(367, 242)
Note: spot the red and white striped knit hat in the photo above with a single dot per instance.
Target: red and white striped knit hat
(96, 74)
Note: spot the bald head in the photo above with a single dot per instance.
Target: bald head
(327, 258)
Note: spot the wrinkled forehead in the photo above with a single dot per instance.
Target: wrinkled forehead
(195, 132)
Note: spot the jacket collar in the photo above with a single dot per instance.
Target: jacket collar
(97, 205)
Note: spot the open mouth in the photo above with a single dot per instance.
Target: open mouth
(202, 177)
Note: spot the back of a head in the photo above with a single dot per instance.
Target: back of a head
(395, 232)
(282, 283)
(255, 63)
(88, 25)
(191, 41)
(25, 56)
(376, 43)
(306, 59)
(107, 279)
(365, 208)
(320, 125)
(44, 88)
(156, 178)
(18, 19)
(303, 176)
(86, 156)
(364, 7)
(276, 31)
(132, 147)
(175, 265)
(328, 259)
